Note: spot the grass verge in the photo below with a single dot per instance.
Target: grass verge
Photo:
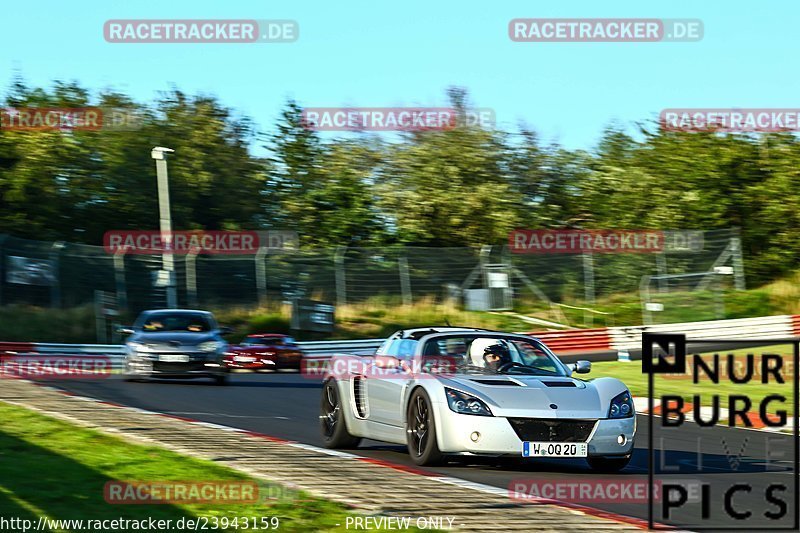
(58, 470)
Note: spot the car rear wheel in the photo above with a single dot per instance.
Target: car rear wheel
(331, 419)
(221, 379)
(608, 464)
(421, 430)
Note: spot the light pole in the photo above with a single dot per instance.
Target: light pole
(159, 153)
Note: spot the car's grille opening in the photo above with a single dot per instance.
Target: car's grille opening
(501, 382)
(159, 366)
(559, 384)
(552, 429)
(360, 397)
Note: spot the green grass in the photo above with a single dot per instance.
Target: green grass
(631, 374)
(54, 469)
(626, 309)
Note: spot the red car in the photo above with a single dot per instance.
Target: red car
(265, 351)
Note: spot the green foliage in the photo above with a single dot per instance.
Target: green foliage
(466, 186)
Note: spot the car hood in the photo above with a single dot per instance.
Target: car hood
(180, 338)
(539, 396)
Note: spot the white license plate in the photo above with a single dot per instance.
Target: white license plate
(555, 449)
(240, 359)
(173, 358)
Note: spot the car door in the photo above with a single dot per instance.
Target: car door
(386, 387)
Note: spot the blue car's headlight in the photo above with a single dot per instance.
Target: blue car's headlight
(210, 346)
(137, 347)
(466, 404)
(621, 406)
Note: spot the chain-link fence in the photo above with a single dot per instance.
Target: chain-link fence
(67, 275)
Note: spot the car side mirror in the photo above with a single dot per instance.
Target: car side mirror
(582, 367)
(225, 330)
(125, 330)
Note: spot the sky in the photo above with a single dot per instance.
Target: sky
(406, 53)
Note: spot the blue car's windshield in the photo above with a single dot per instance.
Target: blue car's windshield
(161, 322)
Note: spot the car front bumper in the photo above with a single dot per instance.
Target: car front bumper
(456, 433)
(266, 363)
(149, 366)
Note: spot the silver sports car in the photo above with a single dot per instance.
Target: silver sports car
(459, 391)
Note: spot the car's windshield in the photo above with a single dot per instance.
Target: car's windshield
(491, 354)
(188, 322)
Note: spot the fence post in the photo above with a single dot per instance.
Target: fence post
(99, 317)
(405, 280)
(190, 264)
(738, 263)
(55, 288)
(261, 275)
(644, 297)
(341, 281)
(2, 266)
(661, 267)
(119, 279)
(588, 286)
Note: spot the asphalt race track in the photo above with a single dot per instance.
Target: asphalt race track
(286, 405)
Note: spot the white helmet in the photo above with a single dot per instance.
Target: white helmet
(477, 350)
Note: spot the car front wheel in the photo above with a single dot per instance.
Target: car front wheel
(331, 419)
(421, 430)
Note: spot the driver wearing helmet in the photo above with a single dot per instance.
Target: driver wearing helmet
(495, 356)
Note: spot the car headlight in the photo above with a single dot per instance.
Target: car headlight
(621, 406)
(136, 347)
(466, 404)
(209, 346)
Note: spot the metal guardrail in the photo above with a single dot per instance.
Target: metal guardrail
(771, 327)
(355, 347)
(613, 339)
(115, 352)
(95, 349)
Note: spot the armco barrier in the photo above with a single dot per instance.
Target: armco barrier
(355, 347)
(567, 343)
(13, 348)
(312, 349)
(628, 338)
(769, 327)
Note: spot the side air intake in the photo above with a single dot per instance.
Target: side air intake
(360, 397)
